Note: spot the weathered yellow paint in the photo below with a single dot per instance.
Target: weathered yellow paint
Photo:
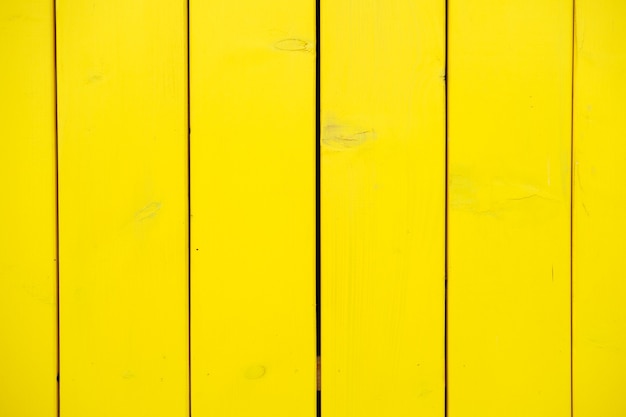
(599, 316)
(122, 90)
(509, 117)
(28, 329)
(382, 179)
(123, 200)
(253, 208)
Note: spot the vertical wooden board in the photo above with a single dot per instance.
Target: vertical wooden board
(509, 122)
(253, 207)
(599, 317)
(122, 80)
(382, 207)
(28, 329)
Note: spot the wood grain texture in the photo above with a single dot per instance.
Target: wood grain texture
(509, 118)
(382, 207)
(599, 225)
(253, 208)
(28, 329)
(122, 90)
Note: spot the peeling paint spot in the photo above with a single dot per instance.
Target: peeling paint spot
(128, 375)
(94, 78)
(255, 372)
(340, 137)
(292, 44)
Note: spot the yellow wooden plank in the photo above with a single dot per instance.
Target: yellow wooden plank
(28, 329)
(599, 316)
(383, 200)
(253, 207)
(122, 86)
(509, 118)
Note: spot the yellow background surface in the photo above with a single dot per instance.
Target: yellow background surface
(162, 164)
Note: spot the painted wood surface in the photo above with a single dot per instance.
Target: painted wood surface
(122, 91)
(253, 208)
(599, 350)
(141, 147)
(509, 117)
(28, 308)
(382, 207)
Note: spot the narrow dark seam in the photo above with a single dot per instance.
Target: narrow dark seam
(318, 215)
(189, 373)
(56, 181)
(446, 228)
(572, 171)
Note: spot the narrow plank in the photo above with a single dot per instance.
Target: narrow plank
(122, 79)
(253, 208)
(383, 200)
(28, 352)
(599, 316)
(509, 110)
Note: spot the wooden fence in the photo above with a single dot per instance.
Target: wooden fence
(184, 181)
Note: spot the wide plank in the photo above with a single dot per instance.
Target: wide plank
(382, 207)
(509, 152)
(599, 265)
(123, 207)
(252, 85)
(28, 295)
